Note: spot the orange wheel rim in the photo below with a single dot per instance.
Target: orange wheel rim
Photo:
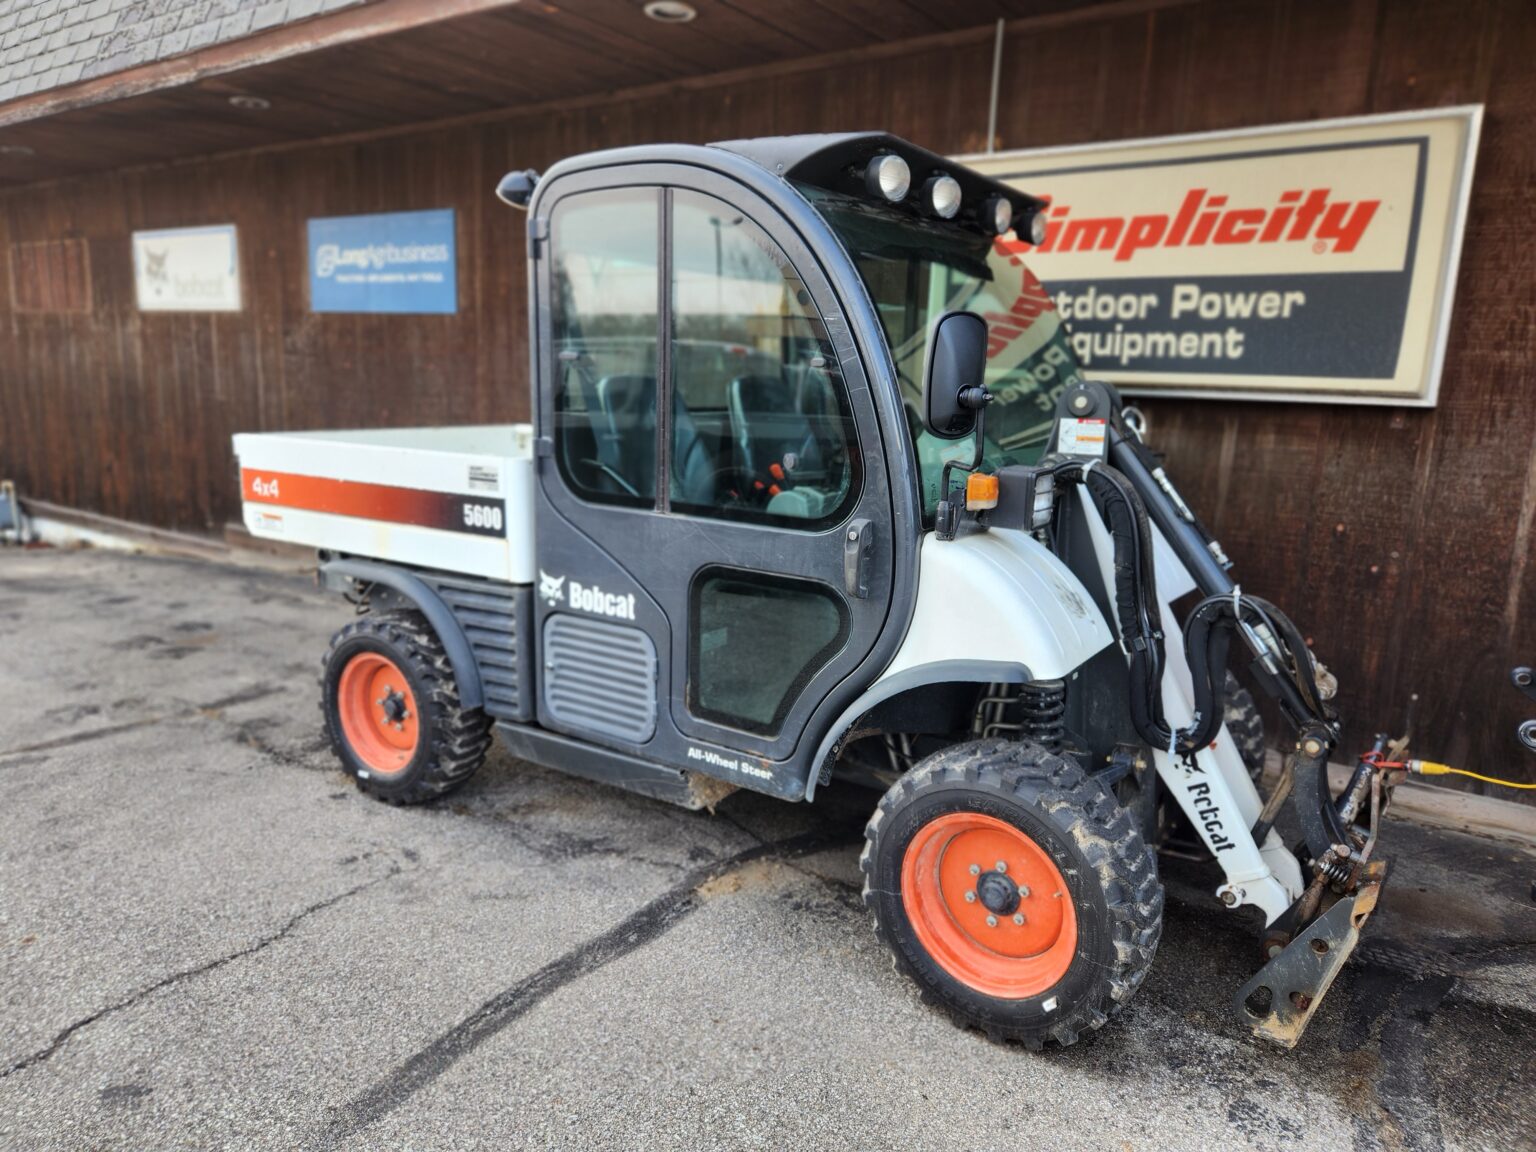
(378, 713)
(1016, 935)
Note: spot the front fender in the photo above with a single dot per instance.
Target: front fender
(992, 607)
(999, 597)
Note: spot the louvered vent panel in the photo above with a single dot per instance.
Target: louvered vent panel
(600, 677)
(495, 618)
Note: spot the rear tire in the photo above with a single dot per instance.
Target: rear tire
(1050, 967)
(392, 710)
(1245, 726)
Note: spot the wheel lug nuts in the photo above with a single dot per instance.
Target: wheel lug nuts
(1018, 917)
(991, 921)
(1002, 865)
(1023, 892)
(970, 897)
(975, 869)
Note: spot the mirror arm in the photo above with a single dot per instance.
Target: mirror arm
(947, 518)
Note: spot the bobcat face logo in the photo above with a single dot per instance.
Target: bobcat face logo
(154, 265)
(552, 588)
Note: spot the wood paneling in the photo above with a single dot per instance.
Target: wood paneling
(1400, 539)
(51, 276)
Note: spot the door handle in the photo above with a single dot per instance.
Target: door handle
(858, 552)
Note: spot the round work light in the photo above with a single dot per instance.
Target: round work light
(942, 194)
(1037, 227)
(997, 214)
(888, 177)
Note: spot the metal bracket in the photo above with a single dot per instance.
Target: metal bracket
(1311, 798)
(1280, 1000)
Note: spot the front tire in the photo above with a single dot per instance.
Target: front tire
(1046, 947)
(1245, 726)
(392, 710)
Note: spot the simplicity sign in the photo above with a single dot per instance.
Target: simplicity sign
(388, 262)
(1314, 261)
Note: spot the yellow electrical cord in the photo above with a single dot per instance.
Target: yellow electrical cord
(1430, 768)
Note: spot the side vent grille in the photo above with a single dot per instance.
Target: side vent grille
(600, 677)
(495, 618)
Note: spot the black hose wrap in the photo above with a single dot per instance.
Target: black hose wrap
(1207, 633)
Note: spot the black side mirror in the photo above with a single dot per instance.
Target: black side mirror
(954, 381)
(516, 188)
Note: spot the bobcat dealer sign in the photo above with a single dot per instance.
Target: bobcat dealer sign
(1314, 261)
(187, 269)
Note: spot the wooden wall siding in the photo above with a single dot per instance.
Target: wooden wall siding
(1399, 538)
(50, 276)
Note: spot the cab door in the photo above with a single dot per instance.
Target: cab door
(710, 465)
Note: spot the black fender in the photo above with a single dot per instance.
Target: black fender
(921, 676)
(413, 588)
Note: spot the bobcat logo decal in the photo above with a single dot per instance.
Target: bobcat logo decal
(552, 588)
(154, 265)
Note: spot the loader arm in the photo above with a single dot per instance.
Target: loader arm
(1151, 550)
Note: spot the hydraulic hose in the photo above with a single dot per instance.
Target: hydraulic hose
(1136, 606)
(1293, 682)
(1188, 538)
(1207, 634)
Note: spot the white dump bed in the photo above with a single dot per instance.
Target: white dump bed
(454, 499)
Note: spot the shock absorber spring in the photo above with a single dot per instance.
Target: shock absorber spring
(1042, 709)
(1334, 870)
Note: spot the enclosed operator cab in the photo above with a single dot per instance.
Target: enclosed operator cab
(734, 477)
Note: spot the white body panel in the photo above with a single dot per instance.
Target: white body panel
(493, 463)
(1215, 794)
(999, 596)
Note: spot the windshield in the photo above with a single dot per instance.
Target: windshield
(916, 272)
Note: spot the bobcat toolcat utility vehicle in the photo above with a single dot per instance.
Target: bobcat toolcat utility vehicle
(815, 491)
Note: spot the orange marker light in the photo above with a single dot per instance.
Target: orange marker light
(980, 492)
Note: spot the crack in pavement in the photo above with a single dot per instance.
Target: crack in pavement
(293, 922)
(245, 696)
(635, 931)
(83, 737)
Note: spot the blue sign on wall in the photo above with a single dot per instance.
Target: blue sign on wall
(389, 262)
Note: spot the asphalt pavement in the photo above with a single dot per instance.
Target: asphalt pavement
(210, 939)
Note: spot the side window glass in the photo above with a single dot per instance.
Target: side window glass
(756, 641)
(603, 269)
(762, 428)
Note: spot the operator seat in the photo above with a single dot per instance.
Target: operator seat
(626, 440)
(769, 430)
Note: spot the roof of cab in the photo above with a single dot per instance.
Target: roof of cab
(836, 160)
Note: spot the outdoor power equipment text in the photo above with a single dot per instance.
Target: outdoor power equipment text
(1189, 300)
(1254, 323)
